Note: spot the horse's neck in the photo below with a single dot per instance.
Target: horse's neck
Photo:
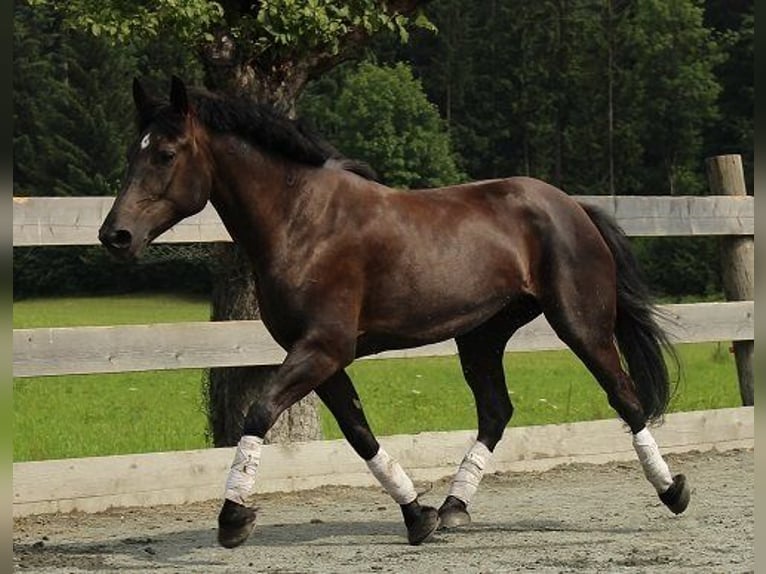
(252, 195)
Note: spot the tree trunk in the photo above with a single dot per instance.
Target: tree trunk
(231, 390)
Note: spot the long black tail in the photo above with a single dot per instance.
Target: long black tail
(640, 338)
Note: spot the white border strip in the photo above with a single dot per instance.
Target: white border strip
(96, 484)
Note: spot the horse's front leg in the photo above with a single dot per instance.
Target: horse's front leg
(340, 396)
(310, 362)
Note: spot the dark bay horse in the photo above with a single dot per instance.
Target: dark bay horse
(348, 267)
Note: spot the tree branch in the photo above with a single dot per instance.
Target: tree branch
(279, 75)
(318, 63)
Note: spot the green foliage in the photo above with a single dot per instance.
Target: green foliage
(308, 25)
(69, 127)
(674, 58)
(526, 88)
(734, 29)
(65, 270)
(124, 22)
(678, 266)
(73, 115)
(270, 30)
(380, 114)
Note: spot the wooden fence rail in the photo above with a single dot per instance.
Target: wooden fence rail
(75, 220)
(77, 350)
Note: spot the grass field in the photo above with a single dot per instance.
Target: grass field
(112, 310)
(89, 415)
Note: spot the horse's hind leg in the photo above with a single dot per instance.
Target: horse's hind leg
(604, 363)
(340, 397)
(481, 358)
(589, 332)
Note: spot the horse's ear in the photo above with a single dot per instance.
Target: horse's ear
(144, 105)
(178, 98)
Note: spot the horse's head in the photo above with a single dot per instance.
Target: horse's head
(167, 178)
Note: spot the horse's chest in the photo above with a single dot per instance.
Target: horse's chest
(280, 313)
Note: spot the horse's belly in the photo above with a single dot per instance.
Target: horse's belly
(419, 320)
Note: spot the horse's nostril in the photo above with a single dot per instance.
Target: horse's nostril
(120, 239)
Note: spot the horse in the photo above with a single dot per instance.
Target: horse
(346, 267)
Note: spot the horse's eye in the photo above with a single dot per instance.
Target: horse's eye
(167, 156)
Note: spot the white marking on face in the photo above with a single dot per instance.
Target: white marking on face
(145, 141)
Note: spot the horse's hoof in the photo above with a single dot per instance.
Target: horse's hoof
(676, 498)
(235, 523)
(453, 514)
(421, 529)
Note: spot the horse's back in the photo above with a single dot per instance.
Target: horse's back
(445, 259)
(518, 195)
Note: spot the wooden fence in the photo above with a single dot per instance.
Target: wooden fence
(42, 486)
(75, 221)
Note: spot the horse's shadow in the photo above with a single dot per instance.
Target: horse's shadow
(176, 547)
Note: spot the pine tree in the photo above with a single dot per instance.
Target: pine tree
(70, 120)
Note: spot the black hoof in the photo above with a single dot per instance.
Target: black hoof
(421, 522)
(235, 523)
(676, 498)
(453, 514)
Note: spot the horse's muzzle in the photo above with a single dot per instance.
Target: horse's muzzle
(117, 241)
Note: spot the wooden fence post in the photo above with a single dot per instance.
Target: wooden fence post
(726, 177)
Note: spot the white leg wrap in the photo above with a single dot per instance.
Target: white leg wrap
(392, 477)
(655, 467)
(241, 479)
(471, 470)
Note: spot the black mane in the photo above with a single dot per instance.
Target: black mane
(265, 127)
